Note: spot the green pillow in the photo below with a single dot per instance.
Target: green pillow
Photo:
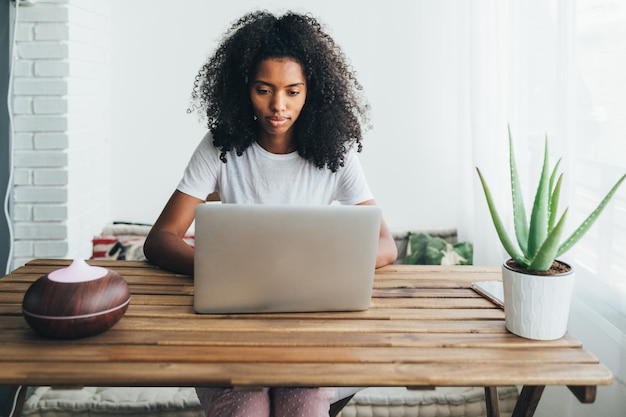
(416, 248)
(423, 249)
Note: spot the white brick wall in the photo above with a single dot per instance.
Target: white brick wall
(61, 128)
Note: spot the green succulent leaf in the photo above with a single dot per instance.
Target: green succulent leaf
(554, 174)
(538, 231)
(519, 210)
(548, 250)
(584, 227)
(500, 229)
(554, 203)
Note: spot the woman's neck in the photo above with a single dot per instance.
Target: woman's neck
(278, 144)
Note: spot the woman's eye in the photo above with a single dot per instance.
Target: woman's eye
(294, 93)
(262, 91)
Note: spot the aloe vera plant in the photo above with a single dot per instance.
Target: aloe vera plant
(539, 240)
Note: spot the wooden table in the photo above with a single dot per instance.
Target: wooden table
(425, 328)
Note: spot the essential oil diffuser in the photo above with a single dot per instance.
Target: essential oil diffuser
(77, 301)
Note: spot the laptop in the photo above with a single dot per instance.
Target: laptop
(270, 259)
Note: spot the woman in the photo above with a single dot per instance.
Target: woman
(284, 111)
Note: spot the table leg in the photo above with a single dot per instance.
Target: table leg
(585, 394)
(15, 401)
(336, 408)
(528, 401)
(492, 401)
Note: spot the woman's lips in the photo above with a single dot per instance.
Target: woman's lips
(277, 121)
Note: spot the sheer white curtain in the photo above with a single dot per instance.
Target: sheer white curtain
(600, 152)
(489, 110)
(512, 72)
(555, 68)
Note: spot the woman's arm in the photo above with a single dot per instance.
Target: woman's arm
(387, 249)
(164, 245)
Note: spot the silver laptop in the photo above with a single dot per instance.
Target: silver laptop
(266, 258)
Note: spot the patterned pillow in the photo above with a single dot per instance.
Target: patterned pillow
(124, 241)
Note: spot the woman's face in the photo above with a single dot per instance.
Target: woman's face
(278, 92)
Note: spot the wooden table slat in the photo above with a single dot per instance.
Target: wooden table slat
(300, 374)
(14, 308)
(295, 354)
(114, 336)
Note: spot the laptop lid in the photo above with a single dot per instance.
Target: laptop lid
(267, 258)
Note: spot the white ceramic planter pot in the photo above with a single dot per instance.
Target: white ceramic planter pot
(537, 306)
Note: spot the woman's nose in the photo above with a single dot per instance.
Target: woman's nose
(278, 102)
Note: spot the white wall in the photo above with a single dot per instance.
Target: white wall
(405, 53)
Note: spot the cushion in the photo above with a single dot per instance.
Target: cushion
(440, 402)
(124, 241)
(112, 401)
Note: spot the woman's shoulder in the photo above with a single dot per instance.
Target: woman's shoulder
(351, 158)
(205, 154)
(207, 147)
(207, 141)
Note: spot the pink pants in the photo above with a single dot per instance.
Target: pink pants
(267, 402)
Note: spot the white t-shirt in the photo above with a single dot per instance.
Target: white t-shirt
(261, 177)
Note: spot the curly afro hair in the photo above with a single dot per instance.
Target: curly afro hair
(330, 122)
